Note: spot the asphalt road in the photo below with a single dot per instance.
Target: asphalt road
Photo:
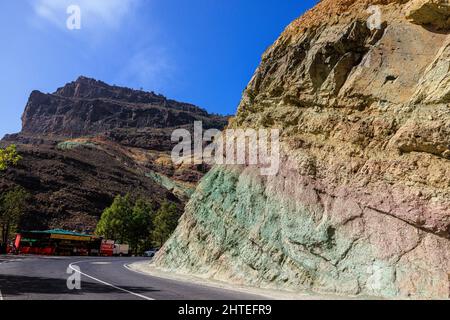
(45, 278)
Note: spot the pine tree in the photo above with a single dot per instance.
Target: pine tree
(12, 207)
(165, 223)
(128, 222)
(114, 221)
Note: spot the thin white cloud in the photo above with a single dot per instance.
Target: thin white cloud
(94, 13)
(148, 64)
(150, 67)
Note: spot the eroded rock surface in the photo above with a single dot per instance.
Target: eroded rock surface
(361, 205)
(431, 13)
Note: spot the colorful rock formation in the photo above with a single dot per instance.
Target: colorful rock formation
(361, 204)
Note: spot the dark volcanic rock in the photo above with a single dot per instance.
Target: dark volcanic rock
(88, 142)
(89, 107)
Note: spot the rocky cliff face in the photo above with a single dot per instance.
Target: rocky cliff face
(361, 204)
(88, 107)
(88, 142)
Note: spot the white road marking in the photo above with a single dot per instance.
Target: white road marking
(101, 263)
(126, 266)
(106, 283)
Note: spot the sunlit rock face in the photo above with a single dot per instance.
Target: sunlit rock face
(361, 203)
(432, 13)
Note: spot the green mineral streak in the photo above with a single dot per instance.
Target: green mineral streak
(166, 182)
(236, 230)
(69, 145)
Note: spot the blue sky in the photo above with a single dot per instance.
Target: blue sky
(198, 51)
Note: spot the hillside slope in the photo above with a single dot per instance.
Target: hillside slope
(88, 142)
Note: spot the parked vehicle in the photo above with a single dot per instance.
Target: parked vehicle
(65, 243)
(55, 242)
(121, 250)
(151, 253)
(107, 248)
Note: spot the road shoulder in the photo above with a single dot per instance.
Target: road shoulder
(149, 269)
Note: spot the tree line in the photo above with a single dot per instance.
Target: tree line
(12, 201)
(138, 222)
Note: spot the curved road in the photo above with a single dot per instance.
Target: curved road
(45, 278)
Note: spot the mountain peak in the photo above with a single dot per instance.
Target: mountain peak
(87, 106)
(86, 79)
(89, 88)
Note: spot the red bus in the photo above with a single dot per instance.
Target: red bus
(57, 242)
